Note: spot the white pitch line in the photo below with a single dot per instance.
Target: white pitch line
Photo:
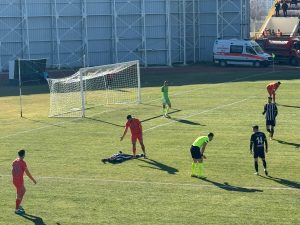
(179, 93)
(202, 112)
(229, 187)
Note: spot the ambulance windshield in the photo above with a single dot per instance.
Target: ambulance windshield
(258, 49)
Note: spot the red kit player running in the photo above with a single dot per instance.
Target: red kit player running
(18, 168)
(271, 88)
(136, 133)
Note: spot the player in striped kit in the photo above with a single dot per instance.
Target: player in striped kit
(271, 112)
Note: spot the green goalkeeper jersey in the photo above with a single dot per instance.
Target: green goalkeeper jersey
(200, 141)
(164, 92)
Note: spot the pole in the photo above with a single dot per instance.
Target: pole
(20, 87)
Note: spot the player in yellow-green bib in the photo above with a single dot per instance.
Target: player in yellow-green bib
(197, 152)
(165, 99)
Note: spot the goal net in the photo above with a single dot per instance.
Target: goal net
(94, 86)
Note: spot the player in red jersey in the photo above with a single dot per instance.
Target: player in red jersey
(18, 168)
(271, 88)
(136, 133)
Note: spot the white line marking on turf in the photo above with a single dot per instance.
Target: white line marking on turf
(107, 111)
(202, 112)
(80, 179)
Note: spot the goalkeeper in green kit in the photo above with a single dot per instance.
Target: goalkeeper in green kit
(165, 99)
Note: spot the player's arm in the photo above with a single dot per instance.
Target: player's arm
(30, 176)
(124, 133)
(203, 149)
(276, 111)
(266, 144)
(251, 144)
(265, 110)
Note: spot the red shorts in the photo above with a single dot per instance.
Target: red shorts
(136, 137)
(19, 186)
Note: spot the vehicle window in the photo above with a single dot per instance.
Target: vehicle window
(250, 50)
(297, 46)
(258, 49)
(236, 49)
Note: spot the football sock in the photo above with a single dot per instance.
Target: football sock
(134, 150)
(193, 168)
(18, 203)
(268, 130)
(200, 169)
(264, 164)
(256, 166)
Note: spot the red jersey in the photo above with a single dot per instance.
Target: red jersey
(135, 126)
(18, 168)
(272, 86)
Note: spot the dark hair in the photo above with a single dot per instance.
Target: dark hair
(21, 153)
(210, 134)
(255, 127)
(129, 117)
(279, 82)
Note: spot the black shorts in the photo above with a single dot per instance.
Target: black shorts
(259, 152)
(195, 152)
(270, 123)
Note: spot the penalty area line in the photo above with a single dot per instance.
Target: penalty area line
(134, 182)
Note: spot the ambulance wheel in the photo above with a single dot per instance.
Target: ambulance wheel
(223, 63)
(256, 64)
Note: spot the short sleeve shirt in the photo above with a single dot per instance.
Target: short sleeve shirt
(18, 168)
(200, 141)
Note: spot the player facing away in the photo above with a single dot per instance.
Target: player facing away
(18, 168)
(136, 134)
(258, 142)
(271, 111)
(197, 152)
(166, 103)
(271, 88)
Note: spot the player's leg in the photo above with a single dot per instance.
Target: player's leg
(256, 166)
(133, 141)
(272, 129)
(265, 165)
(19, 197)
(195, 153)
(273, 96)
(140, 138)
(168, 106)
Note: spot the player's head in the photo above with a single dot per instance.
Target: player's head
(210, 136)
(255, 128)
(278, 82)
(129, 117)
(269, 99)
(21, 153)
(165, 83)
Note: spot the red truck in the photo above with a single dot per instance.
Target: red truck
(285, 49)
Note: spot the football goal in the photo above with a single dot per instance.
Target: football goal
(94, 86)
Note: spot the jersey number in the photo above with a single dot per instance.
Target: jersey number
(259, 140)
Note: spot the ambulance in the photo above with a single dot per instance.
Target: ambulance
(240, 52)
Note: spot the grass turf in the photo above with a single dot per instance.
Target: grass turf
(74, 187)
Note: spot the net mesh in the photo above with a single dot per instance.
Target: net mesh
(94, 86)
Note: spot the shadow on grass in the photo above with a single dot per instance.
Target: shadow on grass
(35, 219)
(159, 116)
(285, 182)
(153, 164)
(42, 122)
(102, 121)
(290, 106)
(296, 145)
(186, 121)
(226, 186)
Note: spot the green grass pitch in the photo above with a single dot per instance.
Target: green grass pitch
(74, 187)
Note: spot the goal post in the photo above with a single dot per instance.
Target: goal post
(94, 86)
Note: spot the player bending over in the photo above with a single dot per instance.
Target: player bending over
(258, 142)
(197, 152)
(136, 134)
(18, 168)
(271, 112)
(165, 99)
(271, 88)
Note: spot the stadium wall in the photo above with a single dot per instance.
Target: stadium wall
(77, 33)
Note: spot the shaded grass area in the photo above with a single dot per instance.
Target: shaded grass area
(74, 187)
